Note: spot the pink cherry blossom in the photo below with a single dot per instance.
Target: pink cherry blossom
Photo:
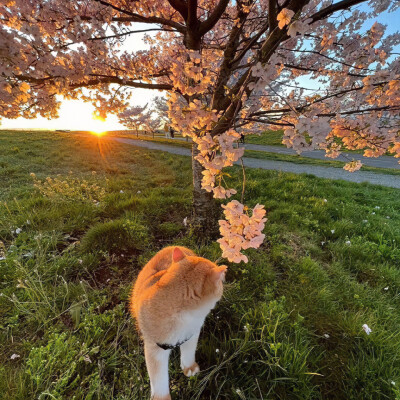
(353, 166)
(240, 231)
(284, 17)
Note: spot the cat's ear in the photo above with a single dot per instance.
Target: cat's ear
(219, 273)
(177, 255)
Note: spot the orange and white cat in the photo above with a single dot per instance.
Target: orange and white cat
(171, 298)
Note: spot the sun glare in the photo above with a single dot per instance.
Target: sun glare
(98, 133)
(75, 115)
(99, 126)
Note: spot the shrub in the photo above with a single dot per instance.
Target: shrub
(117, 235)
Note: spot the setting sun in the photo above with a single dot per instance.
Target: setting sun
(98, 133)
(99, 125)
(75, 115)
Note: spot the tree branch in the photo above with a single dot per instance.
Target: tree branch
(251, 43)
(362, 111)
(191, 20)
(134, 17)
(225, 70)
(272, 14)
(123, 82)
(341, 5)
(179, 6)
(129, 33)
(102, 79)
(300, 68)
(214, 17)
(301, 108)
(266, 121)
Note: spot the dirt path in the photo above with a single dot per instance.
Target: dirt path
(323, 172)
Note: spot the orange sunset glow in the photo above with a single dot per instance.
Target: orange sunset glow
(97, 133)
(99, 126)
(74, 115)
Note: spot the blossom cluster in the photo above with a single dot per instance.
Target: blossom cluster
(317, 128)
(190, 118)
(353, 166)
(240, 231)
(216, 153)
(191, 71)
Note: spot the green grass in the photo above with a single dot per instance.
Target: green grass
(289, 325)
(157, 138)
(271, 138)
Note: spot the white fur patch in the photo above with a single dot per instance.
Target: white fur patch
(190, 322)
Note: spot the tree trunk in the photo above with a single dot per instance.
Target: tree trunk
(205, 210)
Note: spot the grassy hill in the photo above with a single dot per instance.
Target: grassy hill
(74, 235)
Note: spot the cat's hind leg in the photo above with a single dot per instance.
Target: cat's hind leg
(188, 356)
(157, 367)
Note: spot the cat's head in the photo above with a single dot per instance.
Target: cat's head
(204, 277)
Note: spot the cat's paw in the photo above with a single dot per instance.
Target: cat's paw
(192, 370)
(167, 397)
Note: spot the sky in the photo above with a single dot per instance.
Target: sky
(77, 115)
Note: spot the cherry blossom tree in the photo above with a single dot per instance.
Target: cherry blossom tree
(161, 109)
(142, 118)
(152, 125)
(306, 66)
(135, 118)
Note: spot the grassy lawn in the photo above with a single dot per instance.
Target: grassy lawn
(271, 138)
(289, 325)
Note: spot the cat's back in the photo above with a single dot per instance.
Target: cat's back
(152, 272)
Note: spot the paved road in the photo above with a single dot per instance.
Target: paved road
(381, 162)
(323, 172)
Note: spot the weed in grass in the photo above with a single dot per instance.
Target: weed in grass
(69, 188)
